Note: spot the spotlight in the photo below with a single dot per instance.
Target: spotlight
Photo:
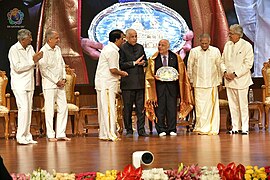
(142, 157)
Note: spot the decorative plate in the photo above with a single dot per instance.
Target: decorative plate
(167, 73)
(152, 21)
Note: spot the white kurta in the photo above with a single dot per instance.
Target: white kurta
(52, 69)
(238, 58)
(254, 17)
(204, 73)
(22, 84)
(106, 86)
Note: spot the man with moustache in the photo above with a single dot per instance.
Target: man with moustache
(133, 60)
(23, 58)
(205, 77)
(106, 85)
(236, 61)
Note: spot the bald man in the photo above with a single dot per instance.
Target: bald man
(133, 60)
(161, 96)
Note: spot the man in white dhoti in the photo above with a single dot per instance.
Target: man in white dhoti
(205, 77)
(254, 17)
(106, 85)
(22, 59)
(52, 69)
(236, 62)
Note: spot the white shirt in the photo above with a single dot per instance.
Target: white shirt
(238, 58)
(21, 67)
(254, 17)
(109, 59)
(52, 67)
(203, 67)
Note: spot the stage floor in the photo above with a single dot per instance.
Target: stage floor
(84, 154)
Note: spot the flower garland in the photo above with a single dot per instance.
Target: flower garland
(192, 172)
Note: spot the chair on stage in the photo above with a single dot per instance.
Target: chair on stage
(224, 105)
(266, 90)
(72, 100)
(4, 102)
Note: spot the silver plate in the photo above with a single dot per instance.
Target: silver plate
(167, 73)
(152, 21)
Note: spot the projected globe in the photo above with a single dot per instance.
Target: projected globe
(152, 21)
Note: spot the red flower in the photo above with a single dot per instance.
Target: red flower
(130, 173)
(231, 171)
(86, 176)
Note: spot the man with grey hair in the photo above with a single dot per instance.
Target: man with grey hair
(204, 73)
(52, 69)
(236, 61)
(133, 60)
(22, 59)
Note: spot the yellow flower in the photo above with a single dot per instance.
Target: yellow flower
(249, 171)
(247, 176)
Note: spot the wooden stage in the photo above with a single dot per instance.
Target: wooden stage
(84, 154)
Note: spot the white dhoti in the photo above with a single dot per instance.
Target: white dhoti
(107, 114)
(207, 110)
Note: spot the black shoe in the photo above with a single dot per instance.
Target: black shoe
(144, 135)
(244, 133)
(232, 132)
(129, 135)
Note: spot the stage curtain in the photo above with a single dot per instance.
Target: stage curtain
(65, 17)
(209, 17)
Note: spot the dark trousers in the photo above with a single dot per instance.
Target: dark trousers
(166, 112)
(129, 98)
(4, 174)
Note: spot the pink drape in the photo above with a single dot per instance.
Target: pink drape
(208, 16)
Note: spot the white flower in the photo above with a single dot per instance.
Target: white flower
(209, 173)
(154, 174)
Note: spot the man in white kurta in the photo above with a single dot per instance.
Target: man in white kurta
(205, 77)
(106, 85)
(254, 17)
(22, 63)
(52, 68)
(237, 60)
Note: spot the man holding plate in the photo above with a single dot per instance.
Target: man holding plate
(166, 79)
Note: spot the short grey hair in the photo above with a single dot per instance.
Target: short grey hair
(205, 35)
(129, 30)
(237, 29)
(49, 34)
(22, 34)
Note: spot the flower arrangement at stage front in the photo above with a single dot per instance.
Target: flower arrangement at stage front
(231, 171)
(130, 173)
(255, 173)
(86, 176)
(209, 173)
(192, 172)
(185, 172)
(40, 174)
(155, 173)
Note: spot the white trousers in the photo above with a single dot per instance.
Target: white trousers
(207, 110)
(238, 103)
(107, 114)
(24, 100)
(51, 97)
